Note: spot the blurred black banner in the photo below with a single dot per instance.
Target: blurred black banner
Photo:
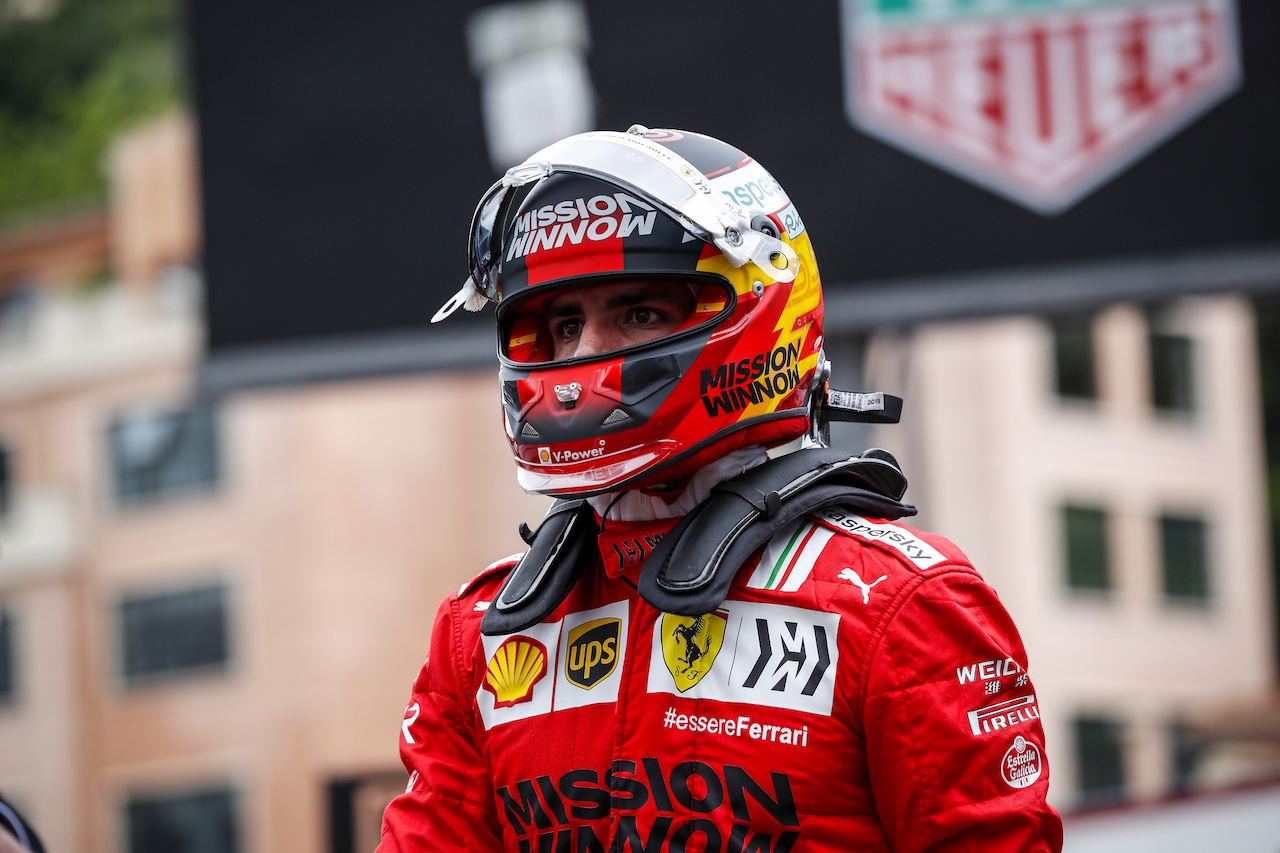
(344, 148)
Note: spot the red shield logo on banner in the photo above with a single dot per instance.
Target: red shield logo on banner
(1041, 101)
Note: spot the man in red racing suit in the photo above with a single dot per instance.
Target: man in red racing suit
(861, 689)
(851, 685)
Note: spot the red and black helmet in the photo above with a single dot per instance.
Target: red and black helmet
(647, 205)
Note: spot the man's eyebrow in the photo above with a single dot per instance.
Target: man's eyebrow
(639, 296)
(563, 309)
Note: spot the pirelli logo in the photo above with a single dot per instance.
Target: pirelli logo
(1004, 715)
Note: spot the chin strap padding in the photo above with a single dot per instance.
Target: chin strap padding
(690, 570)
(561, 546)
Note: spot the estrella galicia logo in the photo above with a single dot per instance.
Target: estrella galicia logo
(775, 655)
(593, 652)
(1021, 765)
(690, 645)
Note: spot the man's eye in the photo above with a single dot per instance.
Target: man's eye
(644, 316)
(570, 328)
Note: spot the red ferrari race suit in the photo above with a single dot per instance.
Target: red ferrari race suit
(861, 689)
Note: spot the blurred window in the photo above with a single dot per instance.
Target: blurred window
(6, 479)
(19, 304)
(8, 653)
(176, 632)
(1099, 759)
(1073, 358)
(1084, 536)
(202, 821)
(356, 805)
(1172, 373)
(157, 455)
(1184, 558)
(1188, 749)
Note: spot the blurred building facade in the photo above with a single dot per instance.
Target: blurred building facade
(1106, 475)
(210, 614)
(211, 611)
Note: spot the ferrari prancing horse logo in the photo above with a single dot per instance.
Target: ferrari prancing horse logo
(690, 645)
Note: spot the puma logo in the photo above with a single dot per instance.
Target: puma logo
(852, 577)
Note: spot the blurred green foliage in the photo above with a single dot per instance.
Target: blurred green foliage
(68, 84)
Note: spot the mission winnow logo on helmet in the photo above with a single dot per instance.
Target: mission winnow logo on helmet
(735, 385)
(574, 220)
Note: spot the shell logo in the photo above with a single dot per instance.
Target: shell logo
(518, 664)
(544, 455)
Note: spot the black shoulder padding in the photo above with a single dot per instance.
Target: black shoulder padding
(690, 570)
(563, 543)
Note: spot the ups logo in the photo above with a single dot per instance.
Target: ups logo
(593, 652)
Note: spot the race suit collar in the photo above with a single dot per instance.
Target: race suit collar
(638, 506)
(624, 545)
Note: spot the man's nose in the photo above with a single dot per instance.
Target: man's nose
(596, 338)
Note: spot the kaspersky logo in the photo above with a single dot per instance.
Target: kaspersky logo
(1041, 101)
(690, 645)
(517, 665)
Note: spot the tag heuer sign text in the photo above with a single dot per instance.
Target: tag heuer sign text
(1041, 101)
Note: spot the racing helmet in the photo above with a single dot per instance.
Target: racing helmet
(680, 213)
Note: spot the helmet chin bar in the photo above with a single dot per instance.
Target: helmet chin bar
(826, 404)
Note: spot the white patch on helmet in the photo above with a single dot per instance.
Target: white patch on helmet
(751, 187)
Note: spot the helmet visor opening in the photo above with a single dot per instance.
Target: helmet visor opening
(605, 317)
